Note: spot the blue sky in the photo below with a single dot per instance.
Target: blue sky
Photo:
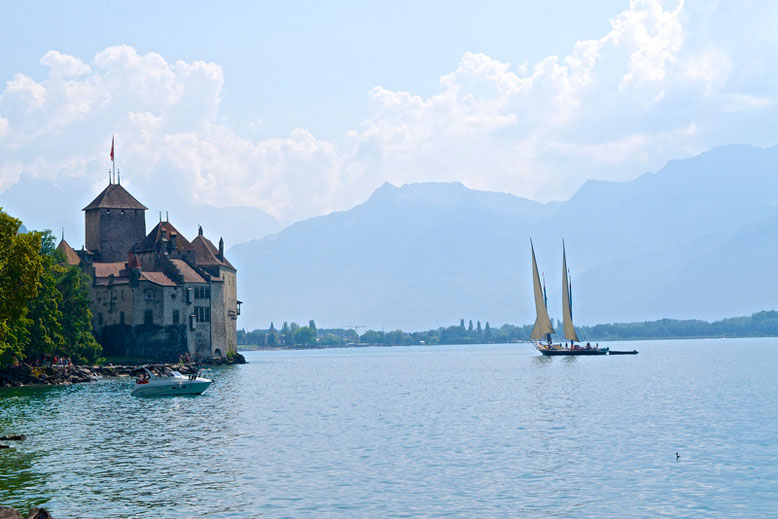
(302, 108)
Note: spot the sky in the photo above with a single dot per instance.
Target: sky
(303, 108)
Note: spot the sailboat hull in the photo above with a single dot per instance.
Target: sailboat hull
(568, 352)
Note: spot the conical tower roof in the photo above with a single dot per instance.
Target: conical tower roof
(115, 197)
(70, 255)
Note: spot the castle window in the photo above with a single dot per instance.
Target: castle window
(107, 211)
(176, 316)
(121, 212)
(99, 318)
(202, 314)
(121, 317)
(148, 317)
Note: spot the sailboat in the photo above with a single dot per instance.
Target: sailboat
(543, 329)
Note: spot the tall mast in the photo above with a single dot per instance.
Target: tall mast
(543, 327)
(567, 306)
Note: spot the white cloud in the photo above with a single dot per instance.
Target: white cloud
(27, 90)
(63, 65)
(652, 88)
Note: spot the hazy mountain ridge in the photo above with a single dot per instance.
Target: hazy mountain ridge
(665, 244)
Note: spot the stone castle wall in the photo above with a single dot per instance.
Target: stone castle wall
(113, 232)
(148, 342)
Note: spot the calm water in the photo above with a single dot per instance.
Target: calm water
(457, 431)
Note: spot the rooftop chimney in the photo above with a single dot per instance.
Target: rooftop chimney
(221, 248)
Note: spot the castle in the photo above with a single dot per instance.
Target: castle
(157, 295)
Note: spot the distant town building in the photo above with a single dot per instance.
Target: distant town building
(155, 295)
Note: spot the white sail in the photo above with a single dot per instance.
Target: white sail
(542, 322)
(567, 308)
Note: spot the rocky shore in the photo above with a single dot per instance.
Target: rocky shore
(58, 375)
(35, 513)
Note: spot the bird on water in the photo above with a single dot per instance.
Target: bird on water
(677, 456)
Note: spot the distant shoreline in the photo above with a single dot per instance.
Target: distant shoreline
(294, 336)
(343, 346)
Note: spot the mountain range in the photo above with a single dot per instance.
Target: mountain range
(696, 239)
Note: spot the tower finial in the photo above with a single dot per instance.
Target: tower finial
(119, 177)
(199, 230)
(113, 160)
(63, 234)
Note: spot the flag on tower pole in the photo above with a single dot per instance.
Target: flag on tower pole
(112, 161)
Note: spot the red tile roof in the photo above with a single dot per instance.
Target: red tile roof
(71, 258)
(104, 270)
(207, 255)
(115, 197)
(158, 278)
(189, 274)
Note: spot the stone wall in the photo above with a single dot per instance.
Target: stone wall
(113, 232)
(149, 341)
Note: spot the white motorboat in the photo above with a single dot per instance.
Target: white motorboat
(173, 383)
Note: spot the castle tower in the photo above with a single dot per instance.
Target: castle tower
(115, 221)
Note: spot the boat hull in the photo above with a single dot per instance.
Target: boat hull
(616, 352)
(172, 388)
(569, 353)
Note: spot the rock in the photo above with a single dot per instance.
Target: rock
(39, 513)
(13, 437)
(4, 446)
(9, 513)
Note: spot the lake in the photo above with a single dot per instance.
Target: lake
(443, 431)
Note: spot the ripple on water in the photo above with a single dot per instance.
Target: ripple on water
(457, 431)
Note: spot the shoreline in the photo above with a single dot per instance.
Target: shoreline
(250, 347)
(24, 375)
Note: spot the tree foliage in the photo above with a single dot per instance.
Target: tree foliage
(763, 323)
(44, 304)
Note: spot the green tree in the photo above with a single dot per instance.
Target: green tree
(312, 325)
(487, 332)
(20, 270)
(286, 335)
(44, 312)
(76, 318)
(373, 337)
(305, 336)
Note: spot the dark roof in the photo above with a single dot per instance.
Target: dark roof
(206, 254)
(156, 234)
(70, 255)
(187, 273)
(115, 197)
